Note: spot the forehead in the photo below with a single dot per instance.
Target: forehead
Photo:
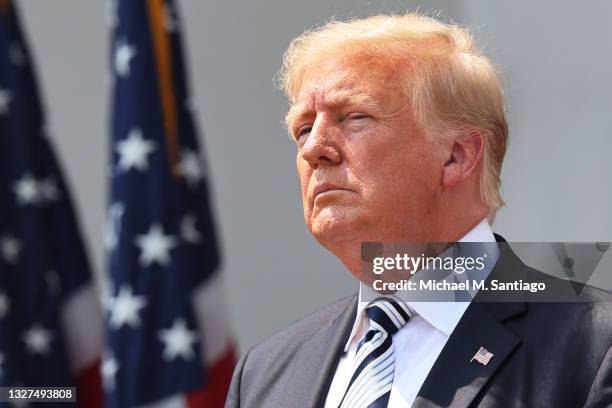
(337, 82)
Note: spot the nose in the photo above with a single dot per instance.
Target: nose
(320, 148)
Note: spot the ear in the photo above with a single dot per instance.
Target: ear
(465, 155)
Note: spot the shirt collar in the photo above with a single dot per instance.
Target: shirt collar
(444, 316)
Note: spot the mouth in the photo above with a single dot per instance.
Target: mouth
(326, 188)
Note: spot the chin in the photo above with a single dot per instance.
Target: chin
(332, 226)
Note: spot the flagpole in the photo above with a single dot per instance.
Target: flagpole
(5, 6)
(163, 57)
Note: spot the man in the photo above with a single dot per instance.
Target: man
(400, 129)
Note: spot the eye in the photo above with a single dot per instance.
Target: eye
(302, 131)
(357, 116)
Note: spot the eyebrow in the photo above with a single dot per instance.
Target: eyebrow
(335, 98)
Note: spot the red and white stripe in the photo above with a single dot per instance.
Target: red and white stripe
(218, 349)
(483, 356)
(81, 318)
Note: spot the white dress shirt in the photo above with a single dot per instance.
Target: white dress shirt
(417, 345)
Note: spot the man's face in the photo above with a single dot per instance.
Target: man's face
(366, 169)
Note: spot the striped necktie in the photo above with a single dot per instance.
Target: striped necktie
(370, 384)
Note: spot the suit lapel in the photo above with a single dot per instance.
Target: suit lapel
(316, 360)
(454, 380)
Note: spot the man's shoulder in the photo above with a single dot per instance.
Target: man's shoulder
(590, 318)
(281, 364)
(599, 297)
(584, 293)
(301, 330)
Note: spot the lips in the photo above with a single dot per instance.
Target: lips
(323, 187)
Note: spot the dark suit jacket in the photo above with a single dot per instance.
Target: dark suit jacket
(549, 355)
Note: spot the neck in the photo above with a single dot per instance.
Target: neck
(444, 229)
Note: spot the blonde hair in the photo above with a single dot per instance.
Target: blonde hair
(452, 86)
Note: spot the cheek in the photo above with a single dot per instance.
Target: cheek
(396, 174)
(304, 172)
(375, 165)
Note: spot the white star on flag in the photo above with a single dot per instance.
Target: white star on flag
(189, 232)
(178, 341)
(37, 339)
(133, 151)
(10, 248)
(5, 305)
(27, 190)
(123, 56)
(125, 308)
(155, 246)
(5, 99)
(191, 167)
(108, 370)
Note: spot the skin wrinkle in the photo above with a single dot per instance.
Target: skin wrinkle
(451, 84)
(346, 92)
(364, 139)
(342, 97)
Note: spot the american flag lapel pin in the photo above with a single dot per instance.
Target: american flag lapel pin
(483, 356)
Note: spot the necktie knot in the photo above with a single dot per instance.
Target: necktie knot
(370, 384)
(387, 315)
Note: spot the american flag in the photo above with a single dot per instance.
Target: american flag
(483, 356)
(168, 338)
(50, 318)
